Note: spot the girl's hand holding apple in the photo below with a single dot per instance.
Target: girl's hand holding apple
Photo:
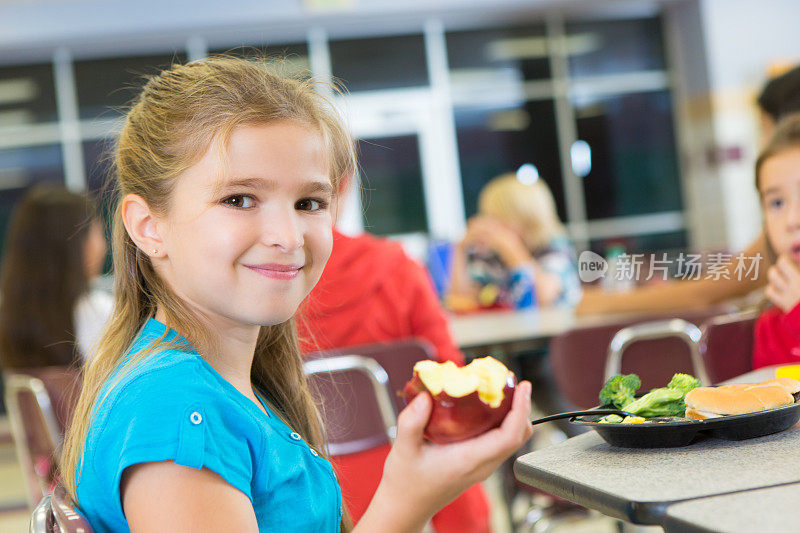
(420, 477)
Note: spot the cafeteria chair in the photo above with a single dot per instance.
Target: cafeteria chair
(726, 345)
(396, 357)
(657, 330)
(40, 403)
(358, 408)
(56, 513)
(579, 359)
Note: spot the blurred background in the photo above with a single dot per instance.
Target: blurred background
(639, 115)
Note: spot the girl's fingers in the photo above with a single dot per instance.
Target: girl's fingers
(776, 277)
(789, 269)
(782, 266)
(773, 296)
(411, 422)
(519, 418)
(779, 298)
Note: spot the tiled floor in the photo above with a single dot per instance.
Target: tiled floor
(13, 513)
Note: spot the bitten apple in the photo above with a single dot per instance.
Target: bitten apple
(467, 401)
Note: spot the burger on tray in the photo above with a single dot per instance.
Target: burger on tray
(712, 402)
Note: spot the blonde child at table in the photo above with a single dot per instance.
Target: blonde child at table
(195, 414)
(777, 332)
(516, 251)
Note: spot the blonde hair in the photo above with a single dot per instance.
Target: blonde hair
(172, 122)
(529, 206)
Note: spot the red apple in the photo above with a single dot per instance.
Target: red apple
(467, 401)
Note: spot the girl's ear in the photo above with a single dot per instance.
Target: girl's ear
(142, 226)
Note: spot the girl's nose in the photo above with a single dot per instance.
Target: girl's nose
(283, 229)
(793, 218)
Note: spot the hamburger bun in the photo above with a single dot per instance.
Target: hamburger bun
(736, 386)
(705, 402)
(791, 385)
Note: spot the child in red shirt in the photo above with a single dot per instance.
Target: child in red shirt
(777, 333)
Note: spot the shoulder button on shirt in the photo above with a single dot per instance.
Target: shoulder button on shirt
(196, 418)
(295, 436)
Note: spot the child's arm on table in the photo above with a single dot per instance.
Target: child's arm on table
(680, 294)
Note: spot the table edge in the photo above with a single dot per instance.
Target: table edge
(645, 513)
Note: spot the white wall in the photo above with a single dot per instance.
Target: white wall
(691, 92)
(742, 38)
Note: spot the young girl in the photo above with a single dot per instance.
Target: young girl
(195, 414)
(777, 332)
(515, 252)
(55, 247)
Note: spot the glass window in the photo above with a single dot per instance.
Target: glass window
(614, 46)
(292, 58)
(629, 142)
(392, 197)
(27, 95)
(380, 63)
(496, 140)
(106, 86)
(22, 167)
(501, 54)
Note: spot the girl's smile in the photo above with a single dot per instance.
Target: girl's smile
(276, 271)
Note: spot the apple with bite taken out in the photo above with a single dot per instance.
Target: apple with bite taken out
(467, 401)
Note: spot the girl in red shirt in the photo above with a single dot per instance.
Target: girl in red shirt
(777, 334)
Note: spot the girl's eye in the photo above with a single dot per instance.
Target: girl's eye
(775, 203)
(239, 201)
(311, 204)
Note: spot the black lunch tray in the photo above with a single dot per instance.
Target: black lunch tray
(682, 433)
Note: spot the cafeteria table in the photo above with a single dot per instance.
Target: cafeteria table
(774, 509)
(514, 331)
(511, 330)
(639, 485)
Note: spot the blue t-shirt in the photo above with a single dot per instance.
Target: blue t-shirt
(173, 406)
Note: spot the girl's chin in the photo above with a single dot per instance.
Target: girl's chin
(273, 319)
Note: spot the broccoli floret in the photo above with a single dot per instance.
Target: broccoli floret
(658, 402)
(619, 390)
(683, 382)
